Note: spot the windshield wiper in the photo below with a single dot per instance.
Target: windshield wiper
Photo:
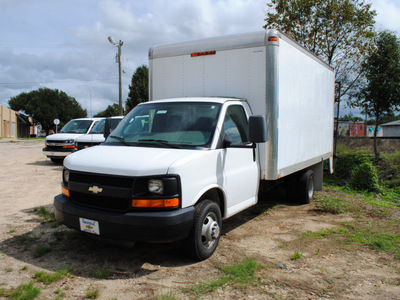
(120, 138)
(160, 142)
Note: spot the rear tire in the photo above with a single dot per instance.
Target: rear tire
(306, 187)
(206, 231)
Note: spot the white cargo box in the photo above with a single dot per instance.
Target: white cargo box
(292, 88)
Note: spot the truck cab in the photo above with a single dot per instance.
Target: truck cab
(96, 134)
(186, 151)
(59, 145)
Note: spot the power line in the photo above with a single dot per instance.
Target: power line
(57, 81)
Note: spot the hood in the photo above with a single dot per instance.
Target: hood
(62, 136)
(126, 161)
(91, 138)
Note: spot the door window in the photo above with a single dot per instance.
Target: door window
(235, 125)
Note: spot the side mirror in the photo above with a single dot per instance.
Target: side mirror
(107, 128)
(257, 129)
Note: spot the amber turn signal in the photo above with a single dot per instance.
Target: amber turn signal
(65, 191)
(173, 202)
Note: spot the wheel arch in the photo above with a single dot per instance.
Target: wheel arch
(216, 195)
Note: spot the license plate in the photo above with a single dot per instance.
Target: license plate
(90, 226)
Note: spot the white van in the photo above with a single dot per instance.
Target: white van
(61, 144)
(96, 135)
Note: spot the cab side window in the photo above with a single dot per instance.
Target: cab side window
(235, 125)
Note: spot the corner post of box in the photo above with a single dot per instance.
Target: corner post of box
(272, 37)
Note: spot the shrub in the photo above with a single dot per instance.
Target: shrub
(348, 161)
(365, 177)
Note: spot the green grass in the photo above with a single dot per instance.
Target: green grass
(48, 278)
(45, 215)
(296, 255)
(24, 292)
(41, 250)
(333, 205)
(167, 296)
(103, 272)
(27, 238)
(240, 274)
(92, 293)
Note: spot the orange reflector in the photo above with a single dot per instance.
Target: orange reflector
(69, 147)
(65, 191)
(272, 39)
(155, 202)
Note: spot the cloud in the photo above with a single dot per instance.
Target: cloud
(388, 15)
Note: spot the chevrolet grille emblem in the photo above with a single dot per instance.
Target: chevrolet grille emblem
(95, 189)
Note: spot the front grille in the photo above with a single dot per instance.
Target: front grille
(103, 180)
(107, 203)
(58, 148)
(55, 142)
(115, 196)
(81, 145)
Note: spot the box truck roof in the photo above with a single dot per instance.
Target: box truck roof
(199, 99)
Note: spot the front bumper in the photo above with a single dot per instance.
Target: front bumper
(160, 226)
(57, 153)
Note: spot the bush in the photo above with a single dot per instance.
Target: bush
(348, 161)
(365, 177)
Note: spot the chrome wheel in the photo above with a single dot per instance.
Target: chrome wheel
(210, 230)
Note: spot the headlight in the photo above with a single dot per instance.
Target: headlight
(156, 186)
(65, 175)
(72, 142)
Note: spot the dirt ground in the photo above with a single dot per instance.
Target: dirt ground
(269, 233)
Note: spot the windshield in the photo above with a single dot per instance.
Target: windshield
(98, 127)
(77, 126)
(177, 124)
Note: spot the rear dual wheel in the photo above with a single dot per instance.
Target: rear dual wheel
(300, 187)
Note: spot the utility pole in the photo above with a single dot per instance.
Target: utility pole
(337, 121)
(118, 59)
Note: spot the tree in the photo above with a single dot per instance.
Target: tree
(381, 94)
(340, 32)
(111, 111)
(44, 105)
(139, 88)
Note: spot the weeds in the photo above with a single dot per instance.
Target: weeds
(239, 273)
(296, 255)
(45, 214)
(41, 250)
(23, 291)
(168, 296)
(333, 205)
(103, 272)
(92, 293)
(48, 278)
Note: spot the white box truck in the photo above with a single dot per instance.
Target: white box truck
(225, 115)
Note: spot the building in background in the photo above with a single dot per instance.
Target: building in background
(14, 124)
(351, 129)
(391, 129)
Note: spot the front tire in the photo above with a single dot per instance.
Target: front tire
(206, 230)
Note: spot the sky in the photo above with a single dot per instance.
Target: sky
(63, 44)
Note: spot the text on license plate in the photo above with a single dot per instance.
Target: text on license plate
(90, 226)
